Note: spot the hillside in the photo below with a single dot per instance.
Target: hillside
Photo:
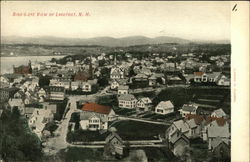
(101, 41)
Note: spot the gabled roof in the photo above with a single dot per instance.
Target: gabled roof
(86, 115)
(145, 100)
(123, 87)
(189, 107)
(219, 113)
(181, 125)
(215, 130)
(217, 141)
(93, 107)
(113, 135)
(127, 97)
(198, 73)
(165, 104)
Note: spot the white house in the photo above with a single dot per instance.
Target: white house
(96, 117)
(222, 80)
(39, 119)
(116, 73)
(188, 109)
(41, 92)
(127, 101)
(164, 107)
(143, 104)
(16, 102)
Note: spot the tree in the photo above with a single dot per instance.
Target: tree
(44, 81)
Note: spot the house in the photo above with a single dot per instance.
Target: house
(221, 148)
(16, 102)
(87, 86)
(27, 111)
(114, 145)
(38, 120)
(200, 77)
(152, 81)
(188, 109)
(164, 107)
(179, 146)
(4, 79)
(206, 77)
(117, 73)
(117, 82)
(7, 93)
(41, 92)
(127, 101)
(4, 95)
(143, 104)
(13, 77)
(75, 85)
(190, 127)
(55, 93)
(215, 128)
(19, 94)
(222, 80)
(219, 113)
(96, 117)
(122, 89)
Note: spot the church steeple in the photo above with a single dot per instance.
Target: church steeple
(90, 68)
(115, 61)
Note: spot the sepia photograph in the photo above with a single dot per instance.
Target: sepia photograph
(148, 81)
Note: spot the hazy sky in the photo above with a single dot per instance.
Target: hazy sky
(190, 20)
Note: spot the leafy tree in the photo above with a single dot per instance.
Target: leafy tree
(44, 81)
(16, 141)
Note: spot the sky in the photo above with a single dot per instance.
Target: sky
(189, 20)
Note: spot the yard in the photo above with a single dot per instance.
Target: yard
(81, 154)
(136, 130)
(86, 136)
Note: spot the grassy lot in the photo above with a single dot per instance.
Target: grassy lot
(124, 111)
(135, 130)
(159, 154)
(180, 95)
(81, 154)
(86, 136)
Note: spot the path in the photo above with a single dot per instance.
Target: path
(143, 120)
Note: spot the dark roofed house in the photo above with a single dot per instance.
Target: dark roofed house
(188, 109)
(115, 145)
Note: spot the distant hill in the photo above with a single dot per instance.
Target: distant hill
(102, 41)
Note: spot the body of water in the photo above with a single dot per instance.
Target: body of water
(8, 62)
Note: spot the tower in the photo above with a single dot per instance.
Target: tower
(115, 61)
(90, 68)
(30, 67)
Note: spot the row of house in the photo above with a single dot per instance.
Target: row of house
(212, 129)
(129, 101)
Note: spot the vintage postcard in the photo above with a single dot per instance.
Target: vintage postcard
(136, 81)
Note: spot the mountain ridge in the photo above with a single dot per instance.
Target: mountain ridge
(101, 41)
